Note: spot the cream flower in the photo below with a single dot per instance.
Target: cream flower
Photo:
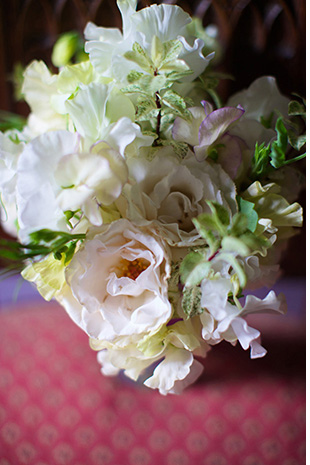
(118, 282)
(171, 192)
(106, 46)
(262, 101)
(221, 320)
(54, 176)
(9, 155)
(39, 89)
(172, 348)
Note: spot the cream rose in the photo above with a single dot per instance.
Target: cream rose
(171, 192)
(118, 282)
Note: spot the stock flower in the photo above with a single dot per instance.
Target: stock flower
(118, 283)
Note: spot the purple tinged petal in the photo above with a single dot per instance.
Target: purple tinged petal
(207, 107)
(216, 124)
(230, 156)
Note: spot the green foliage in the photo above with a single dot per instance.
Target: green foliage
(296, 108)
(9, 121)
(194, 268)
(176, 103)
(227, 238)
(42, 243)
(247, 208)
(191, 301)
(273, 156)
(155, 102)
(267, 122)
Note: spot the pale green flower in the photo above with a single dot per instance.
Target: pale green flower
(48, 275)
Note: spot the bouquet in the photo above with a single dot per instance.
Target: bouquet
(145, 206)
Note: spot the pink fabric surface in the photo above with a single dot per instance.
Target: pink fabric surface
(57, 409)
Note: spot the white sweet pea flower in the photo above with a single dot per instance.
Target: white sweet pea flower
(39, 88)
(169, 193)
(222, 320)
(177, 371)
(54, 176)
(276, 215)
(9, 154)
(106, 46)
(118, 283)
(109, 117)
(173, 348)
(262, 102)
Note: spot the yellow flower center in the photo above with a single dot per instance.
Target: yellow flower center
(132, 269)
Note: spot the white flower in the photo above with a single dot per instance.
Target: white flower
(118, 282)
(39, 89)
(171, 192)
(9, 155)
(54, 176)
(222, 320)
(262, 100)
(209, 133)
(106, 46)
(173, 348)
(178, 370)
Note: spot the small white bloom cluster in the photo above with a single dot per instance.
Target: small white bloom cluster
(147, 198)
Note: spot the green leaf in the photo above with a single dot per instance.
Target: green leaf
(267, 122)
(177, 75)
(260, 161)
(234, 244)
(220, 213)
(247, 208)
(9, 121)
(152, 84)
(172, 49)
(204, 225)
(134, 76)
(191, 301)
(174, 101)
(296, 108)
(139, 56)
(278, 147)
(145, 105)
(239, 224)
(256, 244)
(297, 142)
(194, 268)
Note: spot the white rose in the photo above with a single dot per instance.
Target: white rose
(118, 281)
(171, 193)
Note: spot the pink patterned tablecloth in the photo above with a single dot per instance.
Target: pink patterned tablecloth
(57, 409)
